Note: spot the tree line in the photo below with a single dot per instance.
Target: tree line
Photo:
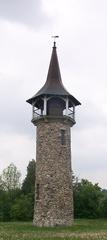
(17, 200)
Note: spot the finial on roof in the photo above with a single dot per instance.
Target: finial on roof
(54, 40)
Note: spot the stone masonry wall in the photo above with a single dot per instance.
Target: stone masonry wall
(54, 194)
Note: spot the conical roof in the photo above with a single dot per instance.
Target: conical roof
(53, 85)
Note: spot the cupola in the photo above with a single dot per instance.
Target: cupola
(53, 100)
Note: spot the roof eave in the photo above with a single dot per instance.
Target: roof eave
(75, 101)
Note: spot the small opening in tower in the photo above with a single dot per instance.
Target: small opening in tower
(37, 191)
(63, 137)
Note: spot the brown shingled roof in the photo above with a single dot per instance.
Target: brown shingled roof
(53, 85)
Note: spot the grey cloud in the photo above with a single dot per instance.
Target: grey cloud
(22, 11)
(15, 112)
(90, 154)
(90, 116)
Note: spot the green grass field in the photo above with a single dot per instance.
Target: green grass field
(81, 229)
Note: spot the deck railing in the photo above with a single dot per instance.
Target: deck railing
(38, 113)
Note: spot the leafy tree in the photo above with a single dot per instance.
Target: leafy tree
(1, 183)
(7, 199)
(28, 185)
(86, 199)
(28, 191)
(22, 209)
(103, 204)
(5, 205)
(11, 178)
(9, 190)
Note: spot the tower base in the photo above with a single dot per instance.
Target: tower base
(52, 222)
(54, 190)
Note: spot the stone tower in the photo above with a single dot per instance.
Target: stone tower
(53, 114)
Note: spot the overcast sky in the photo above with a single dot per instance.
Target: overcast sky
(26, 27)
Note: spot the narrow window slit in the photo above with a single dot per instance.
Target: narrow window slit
(63, 137)
(37, 191)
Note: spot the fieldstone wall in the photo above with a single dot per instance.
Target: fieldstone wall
(53, 190)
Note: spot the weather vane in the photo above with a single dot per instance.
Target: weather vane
(54, 40)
